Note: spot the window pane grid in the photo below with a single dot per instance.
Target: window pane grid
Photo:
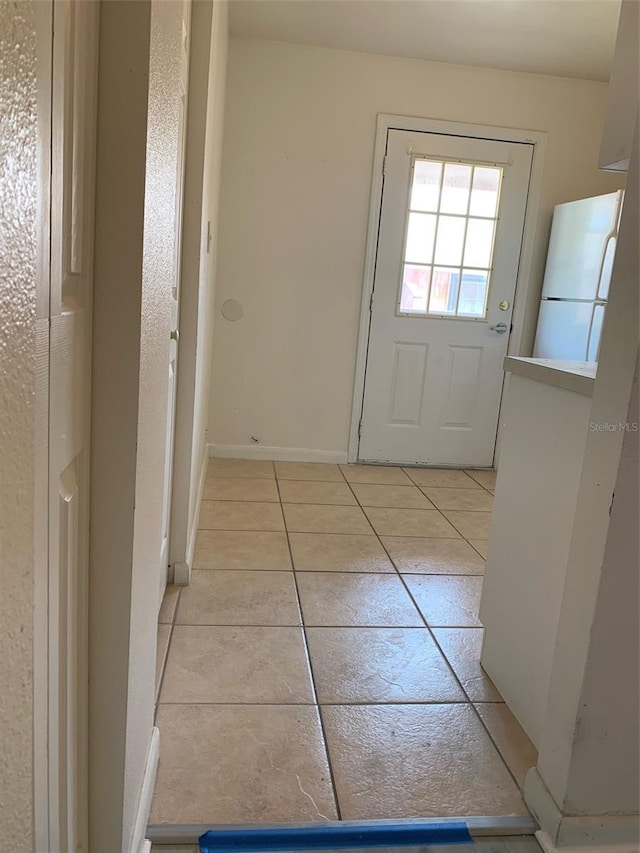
(457, 215)
(440, 278)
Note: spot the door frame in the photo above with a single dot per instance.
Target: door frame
(386, 122)
(53, 667)
(43, 826)
(188, 477)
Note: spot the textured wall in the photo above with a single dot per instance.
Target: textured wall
(18, 149)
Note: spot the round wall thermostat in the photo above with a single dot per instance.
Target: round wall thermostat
(231, 309)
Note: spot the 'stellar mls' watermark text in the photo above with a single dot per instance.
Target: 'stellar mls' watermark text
(605, 426)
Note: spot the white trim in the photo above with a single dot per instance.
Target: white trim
(191, 544)
(560, 833)
(42, 781)
(541, 804)
(280, 454)
(181, 574)
(548, 846)
(192, 281)
(385, 123)
(139, 843)
(182, 569)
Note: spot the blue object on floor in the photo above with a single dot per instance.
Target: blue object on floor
(333, 836)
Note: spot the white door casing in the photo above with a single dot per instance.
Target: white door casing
(433, 384)
(175, 297)
(73, 128)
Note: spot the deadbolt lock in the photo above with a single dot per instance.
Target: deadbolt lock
(504, 305)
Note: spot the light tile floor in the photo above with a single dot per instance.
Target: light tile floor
(324, 661)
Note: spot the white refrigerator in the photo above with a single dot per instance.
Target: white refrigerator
(576, 281)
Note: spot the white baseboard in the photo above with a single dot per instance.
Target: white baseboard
(280, 454)
(139, 844)
(182, 574)
(560, 833)
(549, 847)
(541, 804)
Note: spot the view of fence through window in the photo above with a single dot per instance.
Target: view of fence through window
(449, 240)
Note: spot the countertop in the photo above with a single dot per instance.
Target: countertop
(576, 376)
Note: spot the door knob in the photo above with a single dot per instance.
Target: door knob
(501, 328)
(175, 335)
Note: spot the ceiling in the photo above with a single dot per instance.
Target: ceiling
(567, 38)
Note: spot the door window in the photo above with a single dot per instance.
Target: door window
(449, 239)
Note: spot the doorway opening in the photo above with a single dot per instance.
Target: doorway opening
(448, 250)
(323, 663)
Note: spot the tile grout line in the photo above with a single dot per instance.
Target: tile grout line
(337, 572)
(334, 533)
(422, 617)
(445, 517)
(163, 670)
(316, 704)
(438, 646)
(432, 507)
(468, 700)
(338, 533)
(421, 489)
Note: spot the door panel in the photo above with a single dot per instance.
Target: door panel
(451, 223)
(409, 370)
(75, 30)
(463, 387)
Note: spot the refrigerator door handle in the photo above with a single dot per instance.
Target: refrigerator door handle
(606, 267)
(595, 328)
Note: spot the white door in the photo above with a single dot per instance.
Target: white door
(450, 231)
(179, 165)
(73, 122)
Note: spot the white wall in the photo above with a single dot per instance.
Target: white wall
(298, 149)
(18, 257)
(607, 732)
(597, 641)
(543, 442)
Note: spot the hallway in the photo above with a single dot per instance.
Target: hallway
(324, 661)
